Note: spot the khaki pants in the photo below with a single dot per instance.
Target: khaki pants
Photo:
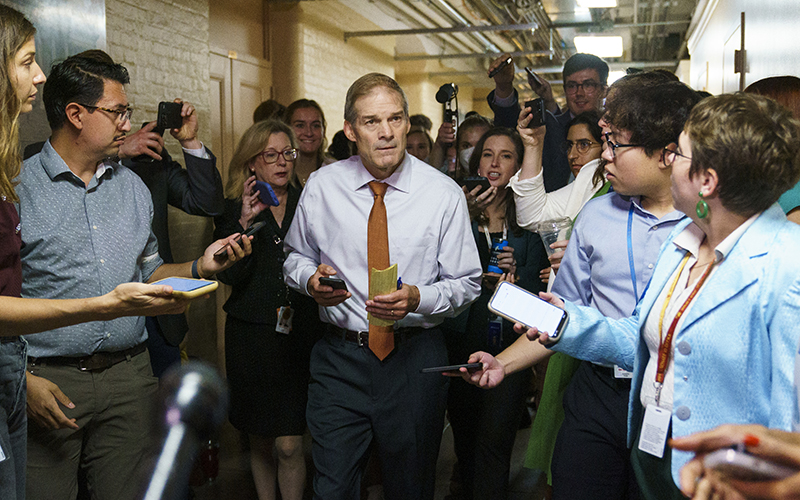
(113, 443)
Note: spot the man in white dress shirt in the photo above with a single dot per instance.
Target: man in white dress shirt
(357, 397)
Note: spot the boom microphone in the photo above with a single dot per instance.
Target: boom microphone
(446, 92)
(194, 402)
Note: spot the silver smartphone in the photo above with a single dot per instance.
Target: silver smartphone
(521, 306)
(746, 467)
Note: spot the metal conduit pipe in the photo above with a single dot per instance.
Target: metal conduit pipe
(446, 10)
(446, 41)
(465, 47)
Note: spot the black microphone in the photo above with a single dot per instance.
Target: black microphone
(446, 92)
(194, 401)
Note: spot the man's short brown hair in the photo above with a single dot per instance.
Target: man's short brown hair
(364, 86)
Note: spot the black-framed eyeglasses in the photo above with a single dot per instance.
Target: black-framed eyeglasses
(123, 115)
(272, 156)
(588, 86)
(670, 155)
(613, 146)
(582, 145)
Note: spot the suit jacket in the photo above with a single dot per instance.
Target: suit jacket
(197, 190)
(734, 354)
(555, 166)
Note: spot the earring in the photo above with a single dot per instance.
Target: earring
(702, 207)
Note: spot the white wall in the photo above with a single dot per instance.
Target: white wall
(772, 41)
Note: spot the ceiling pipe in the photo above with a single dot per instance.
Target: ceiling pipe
(445, 7)
(492, 55)
(435, 31)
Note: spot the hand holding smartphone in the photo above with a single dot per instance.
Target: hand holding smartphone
(452, 368)
(739, 464)
(537, 113)
(250, 232)
(473, 182)
(521, 306)
(335, 283)
(188, 288)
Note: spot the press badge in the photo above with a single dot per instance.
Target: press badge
(622, 373)
(494, 336)
(653, 436)
(284, 325)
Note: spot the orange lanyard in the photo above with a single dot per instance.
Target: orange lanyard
(665, 343)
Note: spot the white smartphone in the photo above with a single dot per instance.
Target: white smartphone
(188, 288)
(742, 465)
(521, 306)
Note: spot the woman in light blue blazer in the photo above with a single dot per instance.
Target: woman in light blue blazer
(714, 337)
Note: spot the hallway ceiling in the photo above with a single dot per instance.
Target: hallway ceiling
(653, 32)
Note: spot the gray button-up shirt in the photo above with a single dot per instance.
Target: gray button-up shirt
(80, 241)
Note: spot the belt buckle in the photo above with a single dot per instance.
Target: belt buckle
(362, 338)
(81, 366)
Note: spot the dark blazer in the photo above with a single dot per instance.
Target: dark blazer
(197, 190)
(554, 160)
(257, 287)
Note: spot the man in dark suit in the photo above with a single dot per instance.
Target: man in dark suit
(585, 86)
(197, 190)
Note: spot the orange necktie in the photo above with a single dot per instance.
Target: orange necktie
(381, 338)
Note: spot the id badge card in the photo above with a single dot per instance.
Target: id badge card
(653, 435)
(494, 335)
(284, 325)
(621, 373)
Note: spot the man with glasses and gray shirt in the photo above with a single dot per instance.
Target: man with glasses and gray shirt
(86, 227)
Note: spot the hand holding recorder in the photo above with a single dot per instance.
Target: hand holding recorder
(741, 461)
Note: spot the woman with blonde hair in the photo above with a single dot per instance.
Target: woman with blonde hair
(267, 330)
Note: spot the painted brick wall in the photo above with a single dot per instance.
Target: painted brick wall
(312, 60)
(164, 45)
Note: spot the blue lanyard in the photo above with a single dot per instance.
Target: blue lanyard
(630, 252)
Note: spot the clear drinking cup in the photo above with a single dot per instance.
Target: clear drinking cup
(554, 230)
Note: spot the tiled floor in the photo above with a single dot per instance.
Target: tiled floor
(234, 481)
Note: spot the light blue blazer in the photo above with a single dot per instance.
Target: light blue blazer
(734, 355)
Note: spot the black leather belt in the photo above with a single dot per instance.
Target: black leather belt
(6, 340)
(362, 338)
(93, 362)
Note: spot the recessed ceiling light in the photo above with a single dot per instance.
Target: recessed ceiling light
(597, 4)
(601, 46)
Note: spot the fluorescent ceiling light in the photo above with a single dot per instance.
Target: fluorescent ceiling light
(601, 46)
(597, 4)
(613, 76)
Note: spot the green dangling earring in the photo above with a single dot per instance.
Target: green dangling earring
(702, 207)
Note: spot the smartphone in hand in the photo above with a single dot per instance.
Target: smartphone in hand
(521, 306)
(223, 252)
(335, 283)
(537, 113)
(473, 182)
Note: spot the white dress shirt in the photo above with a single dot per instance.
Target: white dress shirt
(430, 239)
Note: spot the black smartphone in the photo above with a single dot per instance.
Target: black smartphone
(250, 232)
(473, 182)
(537, 112)
(335, 283)
(452, 368)
(499, 68)
(169, 116)
(534, 77)
(521, 306)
